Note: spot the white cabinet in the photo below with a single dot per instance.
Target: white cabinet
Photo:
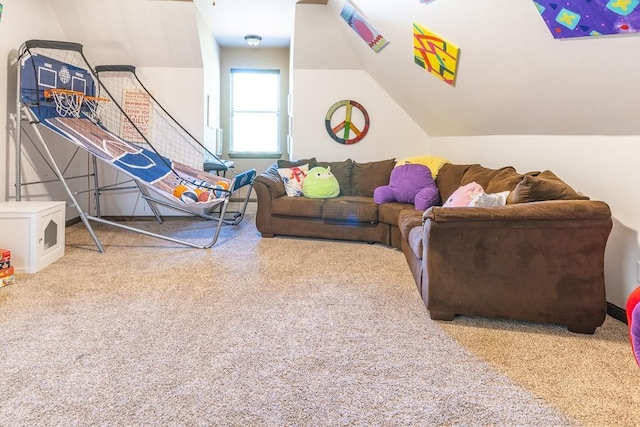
(33, 232)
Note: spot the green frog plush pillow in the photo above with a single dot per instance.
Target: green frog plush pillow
(320, 183)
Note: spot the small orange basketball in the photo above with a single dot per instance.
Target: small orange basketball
(223, 184)
(181, 188)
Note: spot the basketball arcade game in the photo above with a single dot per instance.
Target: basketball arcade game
(58, 89)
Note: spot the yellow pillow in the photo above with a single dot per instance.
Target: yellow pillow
(434, 163)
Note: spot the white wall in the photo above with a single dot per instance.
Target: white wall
(514, 78)
(326, 71)
(141, 33)
(210, 52)
(392, 132)
(601, 167)
(14, 31)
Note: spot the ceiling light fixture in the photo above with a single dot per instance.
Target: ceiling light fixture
(253, 40)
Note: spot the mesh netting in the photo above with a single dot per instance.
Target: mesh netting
(136, 116)
(113, 97)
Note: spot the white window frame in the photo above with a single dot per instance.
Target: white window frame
(275, 152)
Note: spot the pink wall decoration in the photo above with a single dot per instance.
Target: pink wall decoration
(370, 35)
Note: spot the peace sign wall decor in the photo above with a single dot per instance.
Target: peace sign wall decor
(353, 128)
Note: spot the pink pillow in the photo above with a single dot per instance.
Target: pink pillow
(463, 195)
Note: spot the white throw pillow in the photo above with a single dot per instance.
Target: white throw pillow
(293, 179)
(493, 199)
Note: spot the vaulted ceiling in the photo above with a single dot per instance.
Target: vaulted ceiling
(513, 76)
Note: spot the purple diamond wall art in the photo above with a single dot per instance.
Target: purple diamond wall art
(583, 18)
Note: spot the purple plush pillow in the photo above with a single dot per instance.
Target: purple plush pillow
(635, 332)
(427, 197)
(409, 183)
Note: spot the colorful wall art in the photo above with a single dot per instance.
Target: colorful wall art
(354, 18)
(581, 18)
(0, 11)
(435, 54)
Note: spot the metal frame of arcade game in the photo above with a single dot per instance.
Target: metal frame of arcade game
(58, 89)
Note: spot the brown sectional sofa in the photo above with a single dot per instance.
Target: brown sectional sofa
(540, 258)
(352, 215)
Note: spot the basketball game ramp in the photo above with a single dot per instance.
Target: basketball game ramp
(124, 127)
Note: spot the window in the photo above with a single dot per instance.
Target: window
(255, 112)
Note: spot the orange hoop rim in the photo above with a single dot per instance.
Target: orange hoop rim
(49, 92)
(96, 98)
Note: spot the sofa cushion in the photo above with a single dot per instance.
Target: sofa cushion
(505, 179)
(546, 185)
(366, 177)
(293, 163)
(350, 209)
(389, 213)
(342, 172)
(297, 207)
(484, 176)
(448, 179)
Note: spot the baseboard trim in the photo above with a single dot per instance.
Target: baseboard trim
(70, 222)
(617, 312)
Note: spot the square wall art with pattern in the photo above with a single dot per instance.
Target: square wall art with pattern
(582, 18)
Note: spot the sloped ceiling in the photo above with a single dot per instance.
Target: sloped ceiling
(144, 33)
(513, 76)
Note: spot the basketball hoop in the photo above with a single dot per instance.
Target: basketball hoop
(68, 102)
(94, 103)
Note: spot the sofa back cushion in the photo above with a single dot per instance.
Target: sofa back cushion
(295, 163)
(342, 172)
(448, 179)
(366, 177)
(504, 179)
(485, 176)
(540, 186)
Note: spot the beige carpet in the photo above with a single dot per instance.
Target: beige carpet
(280, 332)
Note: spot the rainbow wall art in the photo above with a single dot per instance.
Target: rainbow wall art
(582, 18)
(354, 18)
(435, 54)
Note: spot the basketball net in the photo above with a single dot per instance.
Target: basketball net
(94, 103)
(68, 102)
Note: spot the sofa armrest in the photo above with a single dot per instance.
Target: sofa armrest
(268, 187)
(540, 261)
(272, 182)
(408, 219)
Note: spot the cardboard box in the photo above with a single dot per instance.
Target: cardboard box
(5, 264)
(5, 255)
